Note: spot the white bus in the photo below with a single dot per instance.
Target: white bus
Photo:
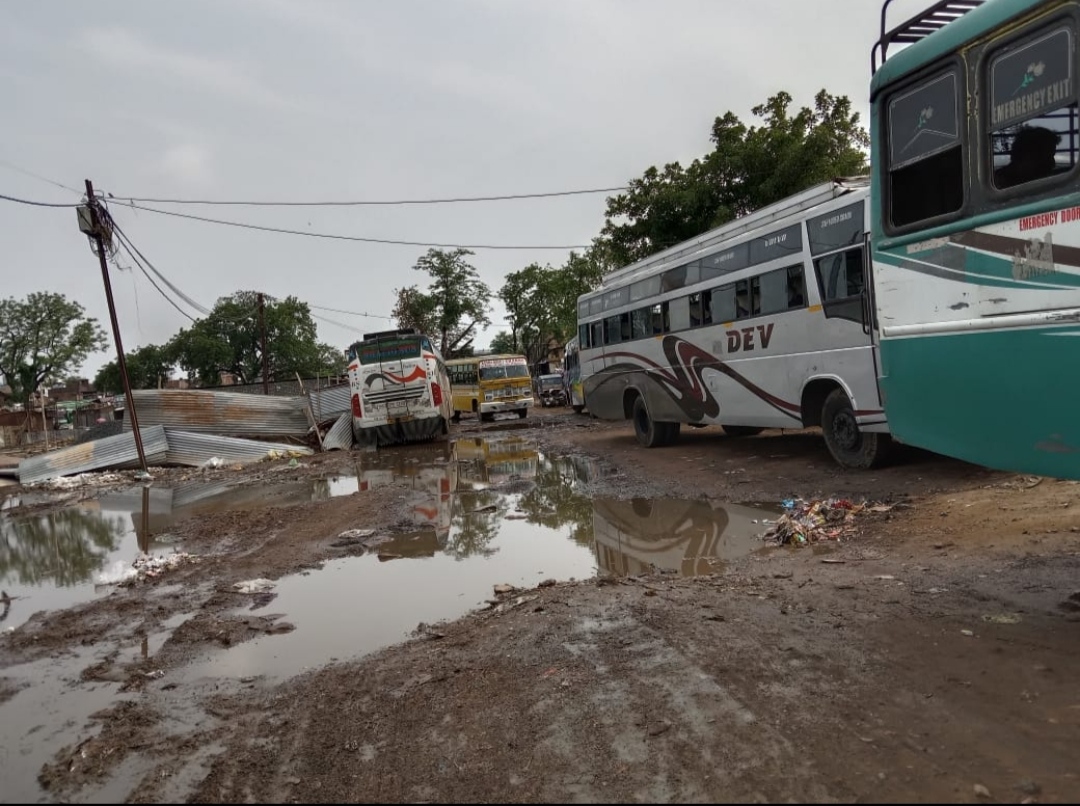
(400, 389)
(575, 395)
(762, 323)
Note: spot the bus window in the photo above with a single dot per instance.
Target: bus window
(640, 326)
(723, 303)
(782, 289)
(1033, 110)
(658, 317)
(747, 298)
(612, 332)
(624, 327)
(925, 161)
(697, 306)
(597, 339)
(840, 278)
(679, 314)
(796, 287)
(583, 336)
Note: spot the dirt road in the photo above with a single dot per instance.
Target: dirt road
(931, 655)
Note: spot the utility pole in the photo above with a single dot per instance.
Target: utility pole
(97, 222)
(262, 343)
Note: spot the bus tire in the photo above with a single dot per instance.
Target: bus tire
(578, 409)
(672, 432)
(522, 413)
(487, 418)
(649, 433)
(742, 430)
(850, 447)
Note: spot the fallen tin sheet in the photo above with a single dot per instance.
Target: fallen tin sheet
(340, 435)
(232, 414)
(111, 453)
(195, 450)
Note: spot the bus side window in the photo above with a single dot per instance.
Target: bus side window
(624, 327)
(612, 331)
(748, 298)
(840, 277)
(679, 314)
(597, 339)
(583, 336)
(723, 304)
(657, 313)
(640, 324)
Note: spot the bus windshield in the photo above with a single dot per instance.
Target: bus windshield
(497, 372)
(395, 348)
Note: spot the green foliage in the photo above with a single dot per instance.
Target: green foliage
(503, 342)
(146, 367)
(42, 339)
(541, 301)
(748, 168)
(228, 340)
(453, 307)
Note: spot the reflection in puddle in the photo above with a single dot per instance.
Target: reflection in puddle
(495, 511)
(52, 560)
(691, 537)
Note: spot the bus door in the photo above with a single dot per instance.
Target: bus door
(870, 318)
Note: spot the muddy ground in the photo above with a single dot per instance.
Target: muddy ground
(931, 656)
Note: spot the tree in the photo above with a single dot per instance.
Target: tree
(503, 342)
(148, 367)
(43, 339)
(454, 306)
(229, 340)
(541, 301)
(748, 168)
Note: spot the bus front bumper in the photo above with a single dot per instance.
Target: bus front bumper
(500, 406)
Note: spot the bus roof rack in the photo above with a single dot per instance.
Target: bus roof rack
(401, 331)
(918, 27)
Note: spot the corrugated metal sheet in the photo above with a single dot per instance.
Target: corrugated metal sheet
(340, 435)
(110, 453)
(194, 450)
(230, 413)
(327, 404)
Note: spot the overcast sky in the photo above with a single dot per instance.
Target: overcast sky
(306, 100)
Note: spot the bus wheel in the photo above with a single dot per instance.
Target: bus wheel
(522, 413)
(672, 435)
(487, 418)
(850, 447)
(578, 409)
(650, 433)
(742, 430)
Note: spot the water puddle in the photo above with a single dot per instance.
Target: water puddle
(56, 559)
(495, 510)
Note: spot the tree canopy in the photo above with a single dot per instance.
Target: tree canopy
(147, 366)
(229, 338)
(749, 168)
(454, 306)
(43, 339)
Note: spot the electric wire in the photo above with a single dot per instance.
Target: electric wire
(170, 300)
(36, 203)
(374, 203)
(123, 238)
(39, 177)
(331, 236)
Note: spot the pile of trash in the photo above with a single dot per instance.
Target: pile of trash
(805, 522)
(144, 567)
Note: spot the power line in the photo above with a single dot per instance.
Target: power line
(452, 200)
(168, 299)
(350, 313)
(36, 203)
(126, 242)
(39, 177)
(330, 236)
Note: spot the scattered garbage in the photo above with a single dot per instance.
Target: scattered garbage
(260, 585)
(144, 567)
(805, 522)
(1002, 618)
(968, 633)
(213, 461)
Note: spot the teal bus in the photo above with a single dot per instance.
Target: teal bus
(975, 231)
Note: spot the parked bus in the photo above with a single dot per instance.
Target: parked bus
(975, 136)
(487, 385)
(490, 461)
(400, 389)
(761, 323)
(575, 395)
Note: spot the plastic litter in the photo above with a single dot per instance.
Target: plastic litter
(805, 522)
(213, 461)
(144, 567)
(260, 585)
